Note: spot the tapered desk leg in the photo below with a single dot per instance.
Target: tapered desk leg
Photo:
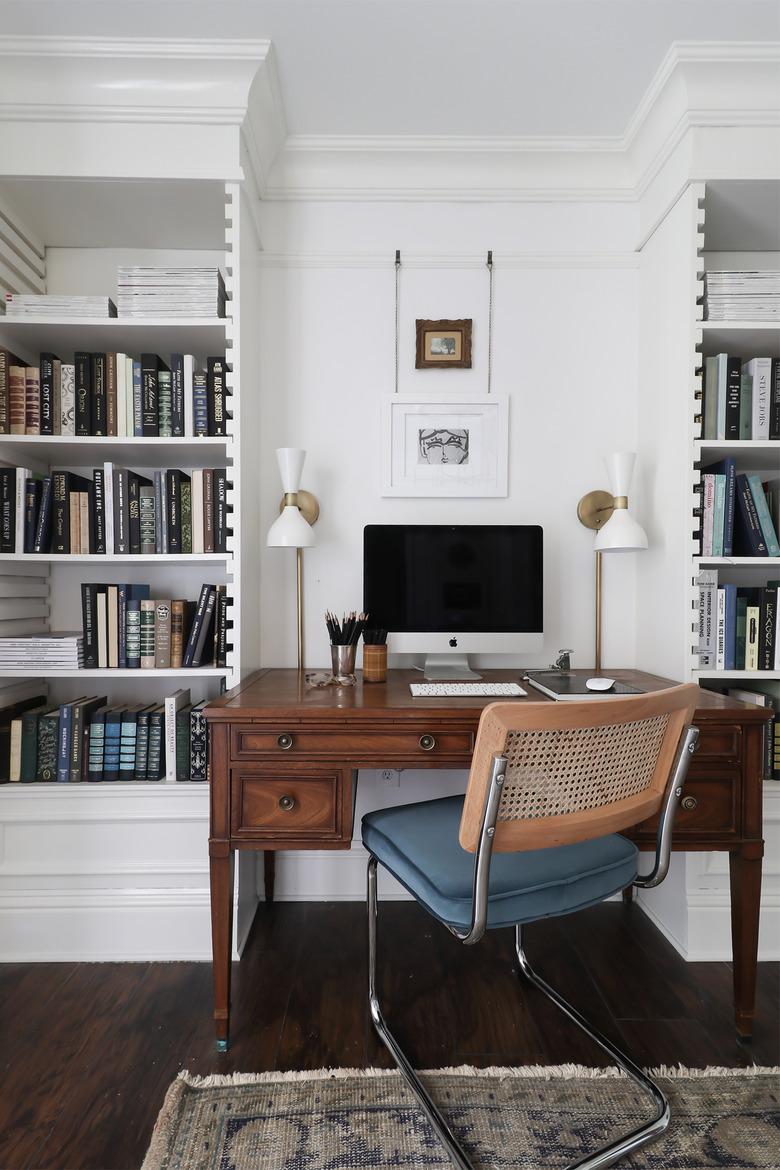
(745, 873)
(269, 873)
(221, 872)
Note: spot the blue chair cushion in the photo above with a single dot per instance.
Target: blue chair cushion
(418, 844)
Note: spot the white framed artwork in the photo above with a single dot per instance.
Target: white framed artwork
(449, 448)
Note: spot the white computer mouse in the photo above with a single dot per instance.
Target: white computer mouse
(599, 684)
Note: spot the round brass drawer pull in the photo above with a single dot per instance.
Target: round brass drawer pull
(427, 743)
(286, 803)
(689, 802)
(285, 741)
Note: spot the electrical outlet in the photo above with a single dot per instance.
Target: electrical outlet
(390, 776)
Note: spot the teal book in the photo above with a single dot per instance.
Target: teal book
(97, 728)
(718, 515)
(127, 739)
(764, 519)
(111, 740)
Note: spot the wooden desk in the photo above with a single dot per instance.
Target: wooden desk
(283, 770)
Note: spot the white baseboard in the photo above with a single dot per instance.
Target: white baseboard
(709, 928)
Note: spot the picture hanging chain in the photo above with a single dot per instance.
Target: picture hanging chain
(490, 321)
(397, 326)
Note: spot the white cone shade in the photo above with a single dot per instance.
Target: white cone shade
(621, 533)
(290, 530)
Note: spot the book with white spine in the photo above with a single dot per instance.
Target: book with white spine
(180, 698)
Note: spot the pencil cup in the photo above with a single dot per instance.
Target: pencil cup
(342, 659)
(375, 663)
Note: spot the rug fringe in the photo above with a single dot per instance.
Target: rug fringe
(537, 1071)
(165, 1126)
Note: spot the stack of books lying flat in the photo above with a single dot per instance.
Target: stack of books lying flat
(742, 296)
(170, 292)
(50, 651)
(55, 306)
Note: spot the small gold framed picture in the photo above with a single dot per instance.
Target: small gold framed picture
(442, 344)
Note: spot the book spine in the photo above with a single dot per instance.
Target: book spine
(121, 395)
(197, 623)
(173, 490)
(753, 638)
(97, 731)
(134, 513)
(127, 740)
(29, 757)
(89, 625)
(198, 745)
(768, 629)
(150, 365)
(133, 635)
(17, 393)
(720, 628)
(721, 367)
(121, 511)
(48, 729)
(156, 761)
(142, 746)
(5, 420)
(753, 539)
(7, 509)
(63, 743)
(208, 617)
(75, 526)
(83, 390)
(121, 598)
(159, 546)
(76, 741)
(164, 404)
(170, 737)
(718, 515)
(762, 394)
(32, 496)
(217, 396)
(708, 514)
(98, 537)
(112, 397)
(60, 512)
(730, 631)
(99, 395)
(733, 387)
(42, 542)
(186, 514)
(177, 394)
(148, 526)
(177, 634)
(46, 368)
(111, 742)
(162, 635)
(138, 401)
(147, 635)
(208, 510)
(32, 401)
(774, 408)
(182, 747)
(221, 641)
(189, 405)
(764, 519)
(200, 401)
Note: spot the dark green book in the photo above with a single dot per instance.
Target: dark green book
(28, 772)
(155, 769)
(186, 515)
(183, 743)
(142, 744)
(48, 728)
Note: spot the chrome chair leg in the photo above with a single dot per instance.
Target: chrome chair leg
(443, 1132)
(648, 1132)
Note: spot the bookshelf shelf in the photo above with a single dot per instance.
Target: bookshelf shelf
(747, 338)
(117, 558)
(763, 675)
(770, 564)
(44, 790)
(85, 449)
(179, 672)
(165, 335)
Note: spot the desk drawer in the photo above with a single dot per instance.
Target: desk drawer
(254, 743)
(709, 805)
(289, 806)
(718, 743)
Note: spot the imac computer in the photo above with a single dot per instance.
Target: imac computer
(449, 590)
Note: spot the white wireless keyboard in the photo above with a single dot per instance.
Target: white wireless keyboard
(444, 690)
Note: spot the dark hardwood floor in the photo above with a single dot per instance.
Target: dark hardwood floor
(88, 1050)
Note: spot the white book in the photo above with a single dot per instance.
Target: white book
(102, 629)
(129, 417)
(720, 632)
(760, 370)
(752, 637)
(22, 475)
(121, 395)
(189, 407)
(707, 582)
(196, 485)
(172, 704)
(67, 399)
(777, 632)
(108, 497)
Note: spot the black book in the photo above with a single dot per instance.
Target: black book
(774, 401)
(220, 509)
(121, 511)
(7, 509)
(83, 392)
(199, 627)
(748, 537)
(111, 743)
(89, 625)
(199, 744)
(63, 483)
(99, 394)
(221, 639)
(46, 369)
(134, 484)
(177, 394)
(155, 768)
(7, 716)
(173, 484)
(97, 512)
(151, 364)
(733, 390)
(32, 504)
(217, 395)
(42, 543)
(767, 630)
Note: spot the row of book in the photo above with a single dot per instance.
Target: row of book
(737, 625)
(172, 291)
(742, 295)
(739, 514)
(57, 305)
(114, 510)
(89, 739)
(741, 398)
(125, 628)
(114, 395)
(771, 729)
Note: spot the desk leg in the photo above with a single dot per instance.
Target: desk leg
(221, 872)
(269, 873)
(745, 874)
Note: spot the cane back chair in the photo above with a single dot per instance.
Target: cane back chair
(538, 835)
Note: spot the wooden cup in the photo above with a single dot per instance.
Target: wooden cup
(375, 663)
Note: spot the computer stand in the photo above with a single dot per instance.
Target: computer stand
(449, 668)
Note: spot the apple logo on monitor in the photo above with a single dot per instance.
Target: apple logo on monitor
(453, 641)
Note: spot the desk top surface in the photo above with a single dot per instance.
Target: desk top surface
(273, 693)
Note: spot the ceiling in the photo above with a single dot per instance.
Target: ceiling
(434, 67)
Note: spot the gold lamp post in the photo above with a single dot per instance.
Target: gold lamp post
(616, 529)
(298, 512)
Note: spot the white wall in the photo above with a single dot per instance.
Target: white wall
(565, 353)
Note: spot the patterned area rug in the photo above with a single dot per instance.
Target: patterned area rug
(540, 1118)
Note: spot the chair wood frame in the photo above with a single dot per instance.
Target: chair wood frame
(676, 758)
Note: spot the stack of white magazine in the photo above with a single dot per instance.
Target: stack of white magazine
(56, 306)
(52, 651)
(742, 296)
(170, 292)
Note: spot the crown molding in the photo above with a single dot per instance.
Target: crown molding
(135, 48)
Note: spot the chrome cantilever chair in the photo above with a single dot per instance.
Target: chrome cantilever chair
(551, 785)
